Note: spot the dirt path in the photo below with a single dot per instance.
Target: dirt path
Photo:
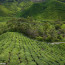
(56, 42)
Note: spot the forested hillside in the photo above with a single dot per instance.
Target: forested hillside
(12, 9)
(54, 10)
(32, 32)
(51, 14)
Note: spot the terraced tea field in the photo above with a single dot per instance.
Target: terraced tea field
(17, 49)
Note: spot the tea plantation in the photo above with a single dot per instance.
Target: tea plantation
(17, 49)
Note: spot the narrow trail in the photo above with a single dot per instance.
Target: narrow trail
(56, 43)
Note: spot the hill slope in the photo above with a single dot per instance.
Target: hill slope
(13, 8)
(4, 11)
(16, 49)
(47, 10)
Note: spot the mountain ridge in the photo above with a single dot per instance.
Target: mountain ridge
(52, 10)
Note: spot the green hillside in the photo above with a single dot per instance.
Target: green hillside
(4, 11)
(48, 31)
(54, 10)
(32, 33)
(9, 9)
(16, 49)
(13, 9)
(50, 10)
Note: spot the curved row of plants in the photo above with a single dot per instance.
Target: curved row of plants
(16, 49)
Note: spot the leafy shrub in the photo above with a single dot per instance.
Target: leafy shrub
(39, 38)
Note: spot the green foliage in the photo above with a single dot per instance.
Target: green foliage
(50, 9)
(63, 26)
(3, 27)
(15, 48)
(62, 0)
(4, 11)
(53, 10)
(39, 38)
(6, 1)
(47, 31)
(12, 9)
(5, 19)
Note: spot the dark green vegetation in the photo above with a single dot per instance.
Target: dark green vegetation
(13, 9)
(49, 31)
(5, 1)
(27, 28)
(44, 21)
(16, 49)
(49, 10)
(62, 0)
(53, 10)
